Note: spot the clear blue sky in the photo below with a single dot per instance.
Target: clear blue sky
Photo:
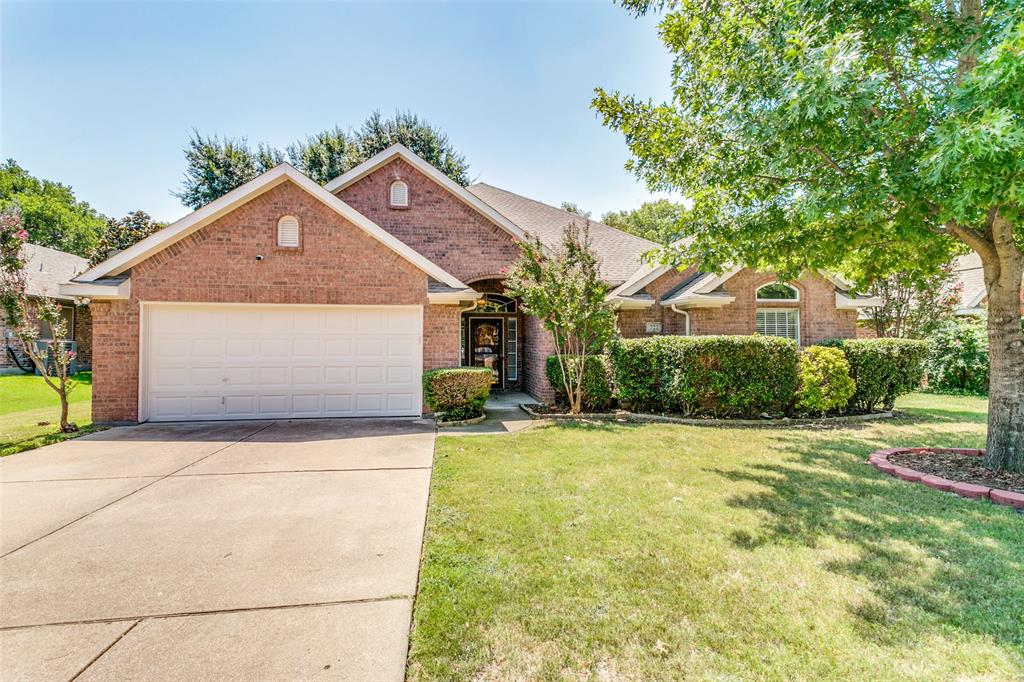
(103, 96)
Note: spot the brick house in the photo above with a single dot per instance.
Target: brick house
(45, 270)
(287, 299)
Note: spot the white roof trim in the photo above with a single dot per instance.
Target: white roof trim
(627, 303)
(693, 300)
(844, 302)
(451, 297)
(196, 220)
(641, 278)
(104, 292)
(460, 192)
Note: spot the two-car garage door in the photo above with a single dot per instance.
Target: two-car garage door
(213, 361)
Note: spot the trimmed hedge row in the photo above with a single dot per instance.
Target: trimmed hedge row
(597, 381)
(746, 376)
(721, 376)
(458, 393)
(883, 369)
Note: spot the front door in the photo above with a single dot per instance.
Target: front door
(485, 346)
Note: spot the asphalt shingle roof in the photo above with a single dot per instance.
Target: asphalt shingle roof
(971, 277)
(45, 268)
(619, 253)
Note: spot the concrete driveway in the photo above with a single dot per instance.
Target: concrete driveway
(237, 550)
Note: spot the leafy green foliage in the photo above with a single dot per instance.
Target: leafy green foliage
(721, 376)
(457, 393)
(51, 214)
(958, 357)
(120, 233)
(654, 220)
(825, 381)
(596, 390)
(573, 207)
(883, 369)
(564, 290)
(215, 166)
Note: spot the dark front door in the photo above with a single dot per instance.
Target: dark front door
(485, 346)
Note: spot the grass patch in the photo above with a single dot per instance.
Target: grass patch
(668, 552)
(26, 401)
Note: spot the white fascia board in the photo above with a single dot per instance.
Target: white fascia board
(844, 302)
(99, 292)
(626, 303)
(706, 287)
(971, 312)
(207, 214)
(692, 300)
(643, 276)
(452, 297)
(460, 192)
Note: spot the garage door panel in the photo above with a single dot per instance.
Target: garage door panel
(244, 362)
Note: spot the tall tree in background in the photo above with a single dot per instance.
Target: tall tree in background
(50, 213)
(119, 234)
(654, 220)
(836, 133)
(573, 207)
(215, 166)
(427, 142)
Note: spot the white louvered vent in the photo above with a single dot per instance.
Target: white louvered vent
(399, 194)
(288, 231)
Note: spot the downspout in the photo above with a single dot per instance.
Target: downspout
(685, 314)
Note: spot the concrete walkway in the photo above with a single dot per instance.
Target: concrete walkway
(503, 416)
(236, 550)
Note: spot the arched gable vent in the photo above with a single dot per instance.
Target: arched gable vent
(399, 194)
(288, 231)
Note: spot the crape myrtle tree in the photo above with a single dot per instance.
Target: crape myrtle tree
(563, 289)
(869, 136)
(22, 316)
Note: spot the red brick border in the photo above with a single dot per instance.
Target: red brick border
(880, 460)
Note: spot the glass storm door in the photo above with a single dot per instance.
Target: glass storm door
(485, 346)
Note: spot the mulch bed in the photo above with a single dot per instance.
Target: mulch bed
(956, 466)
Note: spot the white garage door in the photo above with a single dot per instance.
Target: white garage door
(274, 361)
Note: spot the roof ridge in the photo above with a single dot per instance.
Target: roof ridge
(562, 210)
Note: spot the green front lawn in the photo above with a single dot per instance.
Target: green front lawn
(26, 401)
(667, 552)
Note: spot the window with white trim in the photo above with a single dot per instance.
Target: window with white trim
(784, 322)
(288, 231)
(399, 194)
(777, 291)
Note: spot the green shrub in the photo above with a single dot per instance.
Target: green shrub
(597, 382)
(706, 375)
(883, 369)
(457, 393)
(825, 381)
(958, 358)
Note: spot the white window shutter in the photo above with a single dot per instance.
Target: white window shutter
(288, 231)
(399, 193)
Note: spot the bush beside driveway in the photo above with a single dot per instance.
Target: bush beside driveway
(664, 552)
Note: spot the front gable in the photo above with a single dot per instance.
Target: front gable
(435, 223)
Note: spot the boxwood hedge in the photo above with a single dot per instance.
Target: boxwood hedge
(457, 393)
(883, 369)
(597, 381)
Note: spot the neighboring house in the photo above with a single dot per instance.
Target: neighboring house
(287, 299)
(973, 294)
(45, 270)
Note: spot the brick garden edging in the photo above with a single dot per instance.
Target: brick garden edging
(880, 460)
(639, 417)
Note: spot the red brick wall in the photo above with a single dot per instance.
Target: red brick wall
(540, 345)
(819, 318)
(337, 263)
(436, 224)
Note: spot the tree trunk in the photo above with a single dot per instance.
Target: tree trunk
(1005, 449)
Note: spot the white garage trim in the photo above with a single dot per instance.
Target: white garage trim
(223, 361)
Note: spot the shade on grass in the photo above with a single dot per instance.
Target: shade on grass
(26, 400)
(664, 552)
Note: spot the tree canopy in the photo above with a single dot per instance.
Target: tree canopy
(215, 165)
(49, 211)
(866, 136)
(120, 233)
(654, 220)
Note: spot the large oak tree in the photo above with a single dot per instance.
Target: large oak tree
(865, 135)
